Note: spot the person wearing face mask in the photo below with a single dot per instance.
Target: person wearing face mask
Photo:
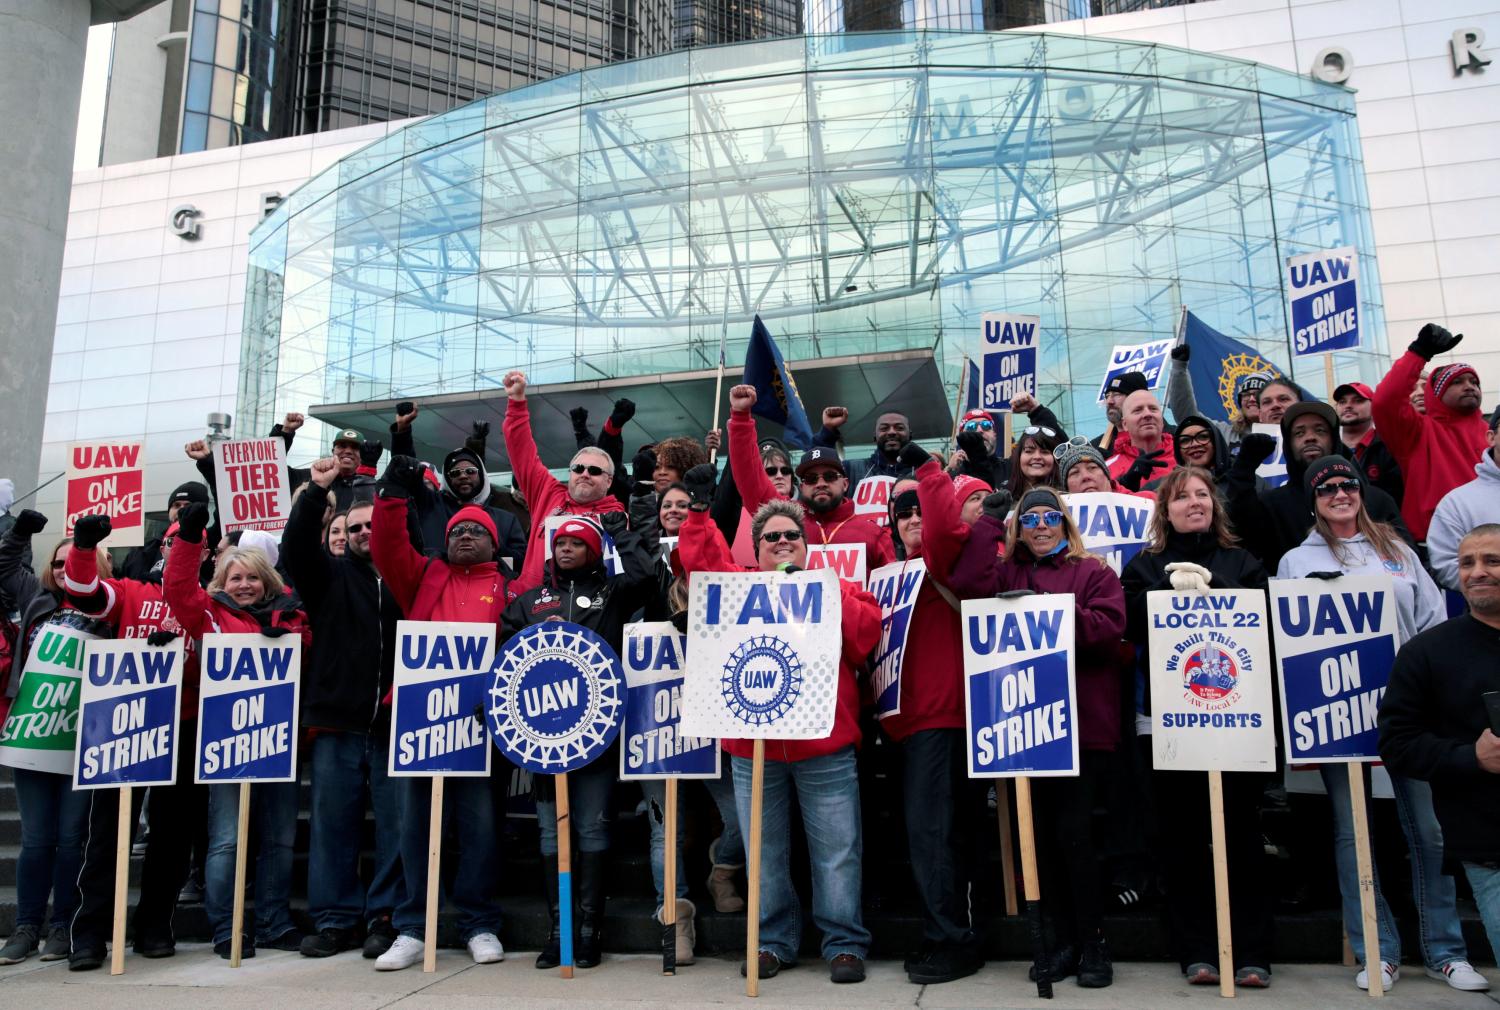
(245, 596)
(1193, 549)
(1044, 553)
(586, 493)
(1345, 540)
(1144, 450)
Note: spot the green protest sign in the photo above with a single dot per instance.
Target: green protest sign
(41, 730)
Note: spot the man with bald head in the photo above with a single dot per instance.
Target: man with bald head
(1143, 450)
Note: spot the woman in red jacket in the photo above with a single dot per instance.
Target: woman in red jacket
(821, 772)
(1044, 553)
(246, 596)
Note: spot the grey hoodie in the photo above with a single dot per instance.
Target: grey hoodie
(1463, 508)
(1419, 602)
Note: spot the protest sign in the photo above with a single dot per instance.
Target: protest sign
(442, 671)
(872, 498)
(105, 478)
(41, 731)
(128, 714)
(1007, 357)
(1149, 359)
(847, 560)
(247, 709)
(1335, 643)
(612, 564)
(765, 655)
(1323, 295)
(895, 587)
(1210, 681)
(654, 748)
(250, 478)
(1114, 526)
(1018, 686)
(1273, 470)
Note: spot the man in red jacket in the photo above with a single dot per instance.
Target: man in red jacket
(824, 487)
(1437, 450)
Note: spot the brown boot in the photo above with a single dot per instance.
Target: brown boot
(721, 889)
(687, 935)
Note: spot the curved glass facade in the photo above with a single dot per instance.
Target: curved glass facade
(863, 193)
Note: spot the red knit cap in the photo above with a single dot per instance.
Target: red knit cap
(976, 415)
(1443, 377)
(964, 486)
(474, 514)
(584, 530)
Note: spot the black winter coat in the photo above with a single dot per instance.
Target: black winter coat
(612, 600)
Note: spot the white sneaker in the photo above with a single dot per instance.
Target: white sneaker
(1461, 975)
(486, 949)
(405, 952)
(1389, 973)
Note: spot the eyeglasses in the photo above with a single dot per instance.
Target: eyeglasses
(1040, 429)
(985, 425)
(775, 536)
(915, 510)
(779, 471)
(823, 477)
(471, 530)
(1031, 520)
(592, 471)
(1332, 488)
(1202, 438)
(357, 527)
(464, 471)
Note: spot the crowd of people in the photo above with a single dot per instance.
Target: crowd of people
(1378, 481)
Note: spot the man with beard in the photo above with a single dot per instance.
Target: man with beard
(892, 432)
(1436, 450)
(1354, 402)
(1465, 507)
(823, 481)
(1119, 387)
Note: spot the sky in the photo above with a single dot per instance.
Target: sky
(91, 107)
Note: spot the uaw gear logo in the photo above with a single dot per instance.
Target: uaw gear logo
(1210, 674)
(1237, 367)
(762, 680)
(557, 697)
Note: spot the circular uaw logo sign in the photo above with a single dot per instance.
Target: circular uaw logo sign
(762, 680)
(1210, 673)
(555, 704)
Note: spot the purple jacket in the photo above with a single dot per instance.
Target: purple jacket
(1099, 624)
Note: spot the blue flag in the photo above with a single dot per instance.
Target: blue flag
(1219, 364)
(971, 381)
(777, 398)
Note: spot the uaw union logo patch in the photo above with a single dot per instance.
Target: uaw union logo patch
(557, 697)
(1210, 674)
(762, 680)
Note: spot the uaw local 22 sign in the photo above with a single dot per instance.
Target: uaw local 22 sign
(556, 697)
(1335, 642)
(1019, 689)
(1114, 526)
(442, 670)
(247, 709)
(1210, 681)
(765, 650)
(654, 746)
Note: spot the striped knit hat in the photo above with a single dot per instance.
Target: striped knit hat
(1443, 377)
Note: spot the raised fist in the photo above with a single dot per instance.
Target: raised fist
(402, 477)
(623, 412)
(699, 482)
(369, 452)
(643, 465)
(200, 449)
(406, 413)
(834, 417)
(1024, 403)
(192, 520)
(515, 385)
(29, 522)
(912, 455)
(997, 505)
(580, 418)
(742, 397)
(1434, 339)
(90, 531)
(1182, 352)
(1255, 449)
(292, 422)
(323, 471)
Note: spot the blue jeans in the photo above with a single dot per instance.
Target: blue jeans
(827, 790)
(273, 831)
(730, 850)
(344, 767)
(54, 820)
(469, 823)
(1433, 891)
(1485, 880)
(588, 807)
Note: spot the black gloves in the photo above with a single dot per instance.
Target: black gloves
(1433, 339)
(369, 452)
(1325, 576)
(29, 522)
(643, 465)
(623, 412)
(1015, 594)
(405, 407)
(614, 523)
(192, 520)
(913, 455)
(700, 482)
(271, 631)
(997, 505)
(481, 430)
(972, 443)
(89, 531)
(1181, 352)
(402, 478)
(1140, 471)
(580, 416)
(159, 638)
(1255, 449)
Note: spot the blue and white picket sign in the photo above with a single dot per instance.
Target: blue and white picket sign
(1322, 291)
(1210, 681)
(128, 714)
(1007, 358)
(654, 747)
(765, 655)
(438, 694)
(1335, 644)
(1273, 470)
(1020, 701)
(1150, 359)
(247, 709)
(555, 697)
(1114, 526)
(612, 564)
(895, 587)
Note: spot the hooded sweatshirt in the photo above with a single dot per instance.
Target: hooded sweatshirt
(1463, 508)
(1419, 602)
(432, 589)
(1436, 450)
(1222, 457)
(1125, 453)
(435, 506)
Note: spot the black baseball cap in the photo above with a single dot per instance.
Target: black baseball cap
(821, 455)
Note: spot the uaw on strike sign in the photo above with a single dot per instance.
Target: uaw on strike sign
(1114, 526)
(129, 721)
(896, 588)
(251, 479)
(247, 709)
(654, 745)
(441, 675)
(104, 478)
(765, 650)
(1323, 291)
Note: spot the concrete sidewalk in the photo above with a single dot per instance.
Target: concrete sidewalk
(197, 980)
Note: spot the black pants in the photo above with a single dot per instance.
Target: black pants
(940, 805)
(1186, 852)
(176, 815)
(1063, 810)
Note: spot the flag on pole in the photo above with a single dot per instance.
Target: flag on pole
(1219, 364)
(777, 398)
(971, 385)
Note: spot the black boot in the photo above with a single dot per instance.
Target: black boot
(1095, 970)
(588, 878)
(551, 955)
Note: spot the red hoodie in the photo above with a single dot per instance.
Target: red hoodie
(1437, 451)
(431, 589)
(545, 494)
(701, 548)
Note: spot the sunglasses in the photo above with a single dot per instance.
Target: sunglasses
(1071, 445)
(58, 564)
(908, 513)
(1332, 488)
(592, 471)
(779, 471)
(464, 471)
(471, 530)
(822, 477)
(1030, 520)
(357, 527)
(1202, 438)
(985, 425)
(1039, 429)
(775, 536)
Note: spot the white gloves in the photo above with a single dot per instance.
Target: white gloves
(1187, 577)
